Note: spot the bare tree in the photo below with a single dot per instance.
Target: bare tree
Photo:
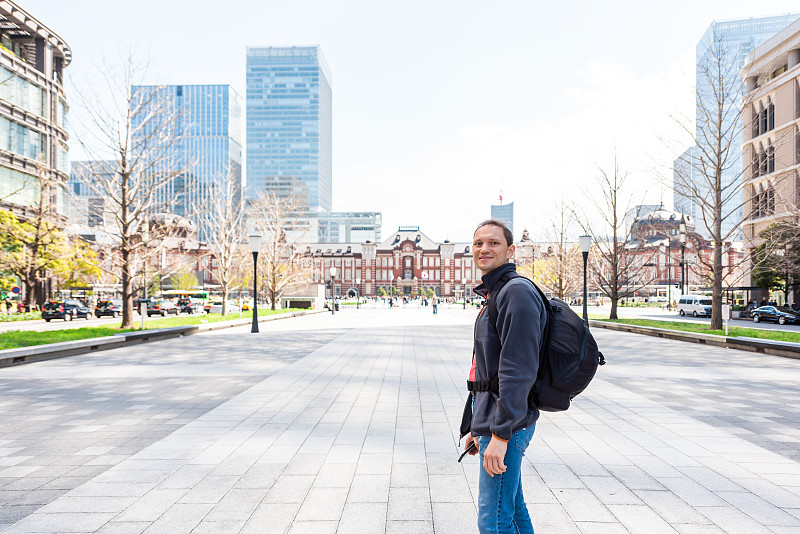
(710, 174)
(140, 129)
(224, 220)
(619, 259)
(276, 218)
(558, 268)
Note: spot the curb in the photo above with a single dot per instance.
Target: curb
(38, 353)
(751, 344)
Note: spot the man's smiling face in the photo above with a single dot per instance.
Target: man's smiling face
(489, 248)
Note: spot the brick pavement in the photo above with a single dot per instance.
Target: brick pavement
(355, 433)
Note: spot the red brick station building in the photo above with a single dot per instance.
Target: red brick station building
(408, 260)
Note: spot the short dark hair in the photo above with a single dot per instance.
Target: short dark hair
(500, 224)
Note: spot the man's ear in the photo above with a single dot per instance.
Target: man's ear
(510, 253)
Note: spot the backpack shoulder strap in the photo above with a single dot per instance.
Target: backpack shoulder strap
(491, 305)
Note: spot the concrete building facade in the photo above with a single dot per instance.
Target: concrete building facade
(771, 137)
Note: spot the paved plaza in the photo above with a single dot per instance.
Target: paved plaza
(348, 423)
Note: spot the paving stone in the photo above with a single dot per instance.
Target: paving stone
(355, 432)
(363, 518)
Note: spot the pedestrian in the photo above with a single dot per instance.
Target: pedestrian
(8, 306)
(501, 422)
(435, 306)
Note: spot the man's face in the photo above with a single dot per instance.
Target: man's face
(489, 248)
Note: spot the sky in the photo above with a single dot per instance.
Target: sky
(440, 107)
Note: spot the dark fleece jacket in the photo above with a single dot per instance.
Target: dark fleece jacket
(510, 352)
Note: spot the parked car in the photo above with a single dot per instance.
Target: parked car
(161, 307)
(779, 314)
(694, 305)
(185, 305)
(111, 307)
(65, 309)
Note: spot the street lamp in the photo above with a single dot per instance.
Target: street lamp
(145, 239)
(391, 288)
(255, 244)
(464, 287)
(332, 270)
(683, 253)
(586, 243)
(358, 292)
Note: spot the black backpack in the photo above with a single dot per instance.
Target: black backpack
(569, 355)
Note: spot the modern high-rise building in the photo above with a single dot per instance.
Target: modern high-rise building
(33, 114)
(289, 124)
(683, 175)
(206, 129)
(350, 227)
(738, 38)
(505, 213)
(88, 207)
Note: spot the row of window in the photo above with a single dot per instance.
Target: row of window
(764, 119)
(763, 160)
(21, 188)
(22, 93)
(764, 201)
(21, 140)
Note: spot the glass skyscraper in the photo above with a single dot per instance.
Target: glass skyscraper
(207, 128)
(505, 213)
(739, 38)
(289, 125)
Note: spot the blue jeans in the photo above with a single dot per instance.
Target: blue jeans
(501, 506)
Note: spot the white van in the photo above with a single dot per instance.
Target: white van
(694, 305)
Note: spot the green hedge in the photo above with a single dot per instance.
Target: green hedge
(27, 316)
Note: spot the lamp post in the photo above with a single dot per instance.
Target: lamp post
(145, 239)
(464, 287)
(255, 244)
(586, 243)
(358, 292)
(391, 288)
(683, 253)
(332, 270)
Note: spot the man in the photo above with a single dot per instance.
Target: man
(502, 421)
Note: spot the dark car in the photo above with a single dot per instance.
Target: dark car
(779, 314)
(185, 306)
(65, 309)
(111, 307)
(161, 307)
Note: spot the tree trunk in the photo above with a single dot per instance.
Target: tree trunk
(613, 314)
(127, 292)
(716, 295)
(224, 300)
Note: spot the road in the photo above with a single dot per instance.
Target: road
(658, 314)
(347, 423)
(655, 314)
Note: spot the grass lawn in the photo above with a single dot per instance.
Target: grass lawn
(733, 331)
(27, 338)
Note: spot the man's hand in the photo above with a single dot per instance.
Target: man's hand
(467, 442)
(494, 456)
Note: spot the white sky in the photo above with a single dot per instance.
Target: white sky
(439, 105)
